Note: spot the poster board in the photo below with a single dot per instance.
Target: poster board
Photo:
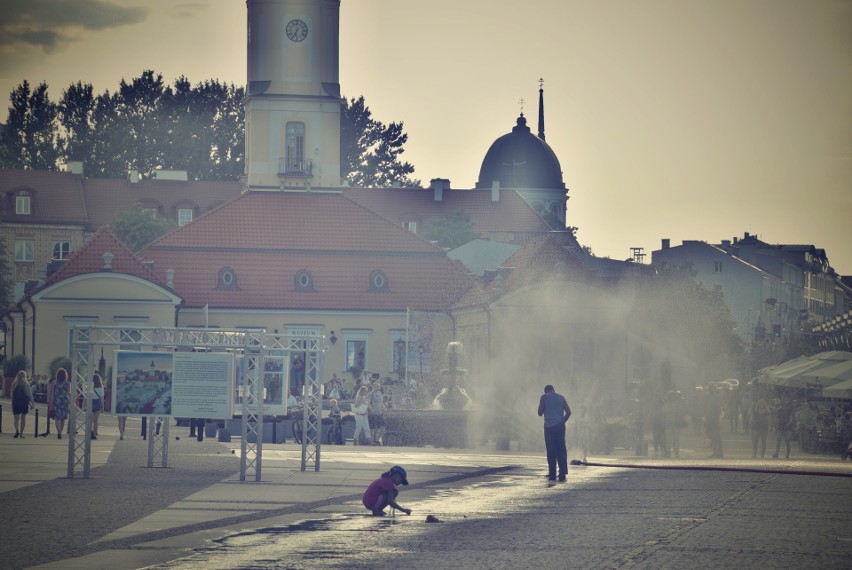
(173, 384)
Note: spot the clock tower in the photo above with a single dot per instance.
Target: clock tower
(293, 95)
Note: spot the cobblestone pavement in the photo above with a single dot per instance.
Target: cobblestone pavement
(497, 510)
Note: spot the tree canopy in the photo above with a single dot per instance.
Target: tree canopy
(680, 311)
(370, 150)
(6, 277)
(138, 226)
(146, 124)
(451, 231)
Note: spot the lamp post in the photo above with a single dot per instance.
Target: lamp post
(420, 352)
(399, 357)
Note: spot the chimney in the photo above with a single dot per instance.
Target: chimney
(736, 239)
(133, 176)
(495, 190)
(746, 236)
(108, 261)
(666, 243)
(75, 167)
(438, 185)
(726, 243)
(180, 175)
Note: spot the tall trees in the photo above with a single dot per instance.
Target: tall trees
(370, 150)
(144, 125)
(677, 309)
(30, 139)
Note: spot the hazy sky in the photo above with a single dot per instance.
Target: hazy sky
(672, 118)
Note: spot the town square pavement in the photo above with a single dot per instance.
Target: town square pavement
(494, 508)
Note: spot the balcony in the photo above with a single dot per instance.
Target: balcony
(295, 168)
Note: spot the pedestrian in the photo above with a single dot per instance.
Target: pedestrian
(712, 417)
(122, 425)
(49, 399)
(335, 416)
(360, 407)
(22, 401)
(784, 423)
(383, 491)
(97, 402)
(375, 412)
(554, 408)
(760, 414)
(61, 399)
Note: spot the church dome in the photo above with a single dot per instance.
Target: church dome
(520, 160)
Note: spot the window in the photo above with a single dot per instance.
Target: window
(717, 266)
(410, 226)
(22, 204)
(24, 250)
(399, 356)
(303, 281)
(227, 279)
(356, 354)
(61, 249)
(378, 281)
(295, 143)
(184, 216)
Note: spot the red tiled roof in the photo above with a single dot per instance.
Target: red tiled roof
(266, 237)
(56, 197)
(89, 259)
(510, 214)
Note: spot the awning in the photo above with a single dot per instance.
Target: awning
(823, 369)
(841, 390)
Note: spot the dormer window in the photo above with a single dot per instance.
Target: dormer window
(184, 216)
(378, 281)
(23, 204)
(303, 281)
(227, 279)
(410, 226)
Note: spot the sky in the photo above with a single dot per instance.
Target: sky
(678, 119)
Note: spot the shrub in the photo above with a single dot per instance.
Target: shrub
(15, 364)
(59, 362)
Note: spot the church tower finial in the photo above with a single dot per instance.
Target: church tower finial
(541, 108)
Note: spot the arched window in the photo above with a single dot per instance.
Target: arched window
(227, 279)
(295, 143)
(303, 281)
(378, 281)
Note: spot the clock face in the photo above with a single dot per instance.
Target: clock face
(296, 30)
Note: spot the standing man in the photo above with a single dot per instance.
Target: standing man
(556, 412)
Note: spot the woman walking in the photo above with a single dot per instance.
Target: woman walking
(22, 401)
(61, 399)
(97, 403)
(360, 408)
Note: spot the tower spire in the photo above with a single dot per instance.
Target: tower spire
(541, 108)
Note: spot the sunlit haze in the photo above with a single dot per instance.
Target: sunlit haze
(671, 119)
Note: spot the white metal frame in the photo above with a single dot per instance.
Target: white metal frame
(254, 344)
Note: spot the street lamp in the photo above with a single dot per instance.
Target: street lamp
(332, 338)
(420, 352)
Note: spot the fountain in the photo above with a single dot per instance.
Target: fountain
(447, 424)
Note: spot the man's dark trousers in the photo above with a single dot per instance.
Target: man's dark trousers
(557, 453)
